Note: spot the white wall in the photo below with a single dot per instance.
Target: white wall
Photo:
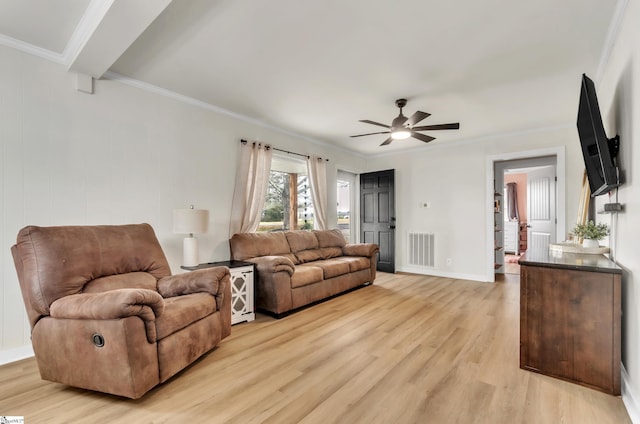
(451, 177)
(619, 99)
(121, 155)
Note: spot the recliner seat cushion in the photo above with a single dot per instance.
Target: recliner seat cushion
(181, 311)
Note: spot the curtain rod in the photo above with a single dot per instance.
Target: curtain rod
(285, 151)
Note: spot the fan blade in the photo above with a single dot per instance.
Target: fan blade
(387, 141)
(366, 121)
(415, 118)
(362, 135)
(422, 137)
(455, 126)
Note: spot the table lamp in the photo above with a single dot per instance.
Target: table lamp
(190, 221)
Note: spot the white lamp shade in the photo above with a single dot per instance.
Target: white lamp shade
(190, 221)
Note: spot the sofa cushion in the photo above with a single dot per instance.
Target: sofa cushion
(302, 240)
(330, 238)
(356, 263)
(130, 280)
(305, 275)
(308, 255)
(180, 311)
(250, 245)
(333, 267)
(330, 252)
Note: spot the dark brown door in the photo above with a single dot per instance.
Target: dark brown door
(378, 215)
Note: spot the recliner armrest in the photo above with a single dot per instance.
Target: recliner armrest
(360, 249)
(207, 280)
(112, 304)
(216, 281)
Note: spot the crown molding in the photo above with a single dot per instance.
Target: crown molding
(113, 76)
(612, 34)
(31, 49)
(65, 59)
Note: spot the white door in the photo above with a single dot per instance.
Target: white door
(541, 207)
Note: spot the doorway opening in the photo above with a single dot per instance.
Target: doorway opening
(527, 202)
(529, 212)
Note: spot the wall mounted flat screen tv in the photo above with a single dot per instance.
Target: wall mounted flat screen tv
(598, 151)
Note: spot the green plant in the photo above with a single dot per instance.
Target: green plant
(591, 230)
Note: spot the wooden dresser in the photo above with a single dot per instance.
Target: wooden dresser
(570, 318)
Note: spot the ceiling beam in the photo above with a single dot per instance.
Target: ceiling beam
(116, 27)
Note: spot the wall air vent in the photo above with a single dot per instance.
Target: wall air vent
(421, 250)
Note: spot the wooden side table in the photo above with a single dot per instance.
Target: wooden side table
(242, 278)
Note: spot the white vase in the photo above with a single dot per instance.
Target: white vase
(589, 243)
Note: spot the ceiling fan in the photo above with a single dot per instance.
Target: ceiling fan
(402, 127)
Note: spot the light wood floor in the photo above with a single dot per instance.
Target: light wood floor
(409, 349)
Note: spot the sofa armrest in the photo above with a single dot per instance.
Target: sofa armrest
(113, 304)
(360, 249)
(273, 264)
(368, 250)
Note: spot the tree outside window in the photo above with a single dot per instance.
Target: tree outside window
(288, 203)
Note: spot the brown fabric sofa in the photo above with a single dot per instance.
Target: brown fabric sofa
(296, 268)
(105, 312)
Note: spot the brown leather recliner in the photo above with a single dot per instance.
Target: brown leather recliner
(107, 315)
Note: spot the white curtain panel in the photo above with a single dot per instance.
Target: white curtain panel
(317, 171)
(252, 179)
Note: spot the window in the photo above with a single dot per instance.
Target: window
(346, 191)
(288, 203)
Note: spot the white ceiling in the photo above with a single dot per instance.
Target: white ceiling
(315, 68)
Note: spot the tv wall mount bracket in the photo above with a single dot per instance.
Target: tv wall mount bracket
(614, 145)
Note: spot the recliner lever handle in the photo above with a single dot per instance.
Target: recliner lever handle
(98, 340)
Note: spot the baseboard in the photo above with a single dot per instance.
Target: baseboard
(629, 397)
(16, 354)
(437, 273)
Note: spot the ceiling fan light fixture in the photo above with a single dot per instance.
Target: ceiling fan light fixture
(402, 127)
(400, 134)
